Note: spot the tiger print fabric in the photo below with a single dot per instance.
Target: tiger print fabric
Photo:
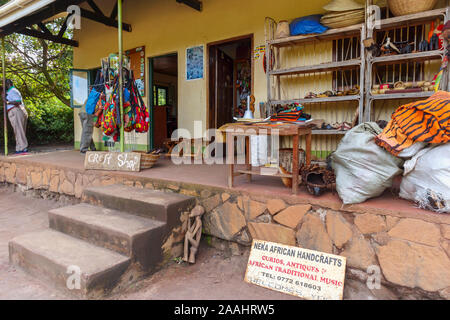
(426, 121)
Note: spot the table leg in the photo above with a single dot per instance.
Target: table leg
(230, 159)
(247, 157)
(295, 168)
(308, 149)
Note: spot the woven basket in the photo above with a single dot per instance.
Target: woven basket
(403, 7)
(148, 160)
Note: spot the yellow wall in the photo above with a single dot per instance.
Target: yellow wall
(165, 26)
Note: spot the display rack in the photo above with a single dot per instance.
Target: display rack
(274, 72)
(395, 24)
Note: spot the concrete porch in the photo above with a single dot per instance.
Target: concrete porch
(410, 246)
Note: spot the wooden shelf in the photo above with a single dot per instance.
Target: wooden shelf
(411, 95)
(355, 97)
(411, 19)
(257, 172)
(327, 35)
(426, 55)
(323, 67)
(329, 132)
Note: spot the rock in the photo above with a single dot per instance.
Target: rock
(172, 187)
(2, 173)
(272, 233)
(79, 186)
(312, 235)
(187, 192)
(253, 209)
(149, 185)
(275, 205)
(67, 188)
(417, 231)
(381, 238)
(139, 185)
(338, 229)
(234, 248)
(359, 253)
(414, 265)
(266, 218)
(370, 223)
(391, 222)
(243, 237)
(21, 175)
(54, 184)
(225, 196)
(211, 203)
(240, 202)
(10, 173)
(205, 193)
(446, 246)
(36, 179)
(445, 231)
(70, 176)
(224, 222)
(292, 216)
(46, 178)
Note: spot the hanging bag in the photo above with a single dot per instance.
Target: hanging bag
(94, 95)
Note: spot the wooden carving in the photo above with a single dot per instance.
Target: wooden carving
(193, 234)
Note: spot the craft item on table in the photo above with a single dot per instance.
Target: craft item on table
(193, 234)
(318, 179)
(282, 30)
(424, 121)
(307, 25)
(293, 114)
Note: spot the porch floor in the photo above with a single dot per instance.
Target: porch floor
(216, 176)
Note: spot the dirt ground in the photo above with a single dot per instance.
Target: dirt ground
(217, 275)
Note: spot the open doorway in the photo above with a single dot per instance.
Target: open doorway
(230, 79)
(163, 98)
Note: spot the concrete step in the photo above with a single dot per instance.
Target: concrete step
(124, 233)
(158, 205)
(60, 258)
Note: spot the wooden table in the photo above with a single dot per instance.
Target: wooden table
(281, 129)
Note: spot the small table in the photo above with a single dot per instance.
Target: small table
(282, 129)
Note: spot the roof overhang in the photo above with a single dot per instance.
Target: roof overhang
(17, 9)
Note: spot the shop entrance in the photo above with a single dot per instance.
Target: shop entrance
(230, 79)
(163, 98)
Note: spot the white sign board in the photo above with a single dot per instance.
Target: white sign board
(300, 272)
(113, 161)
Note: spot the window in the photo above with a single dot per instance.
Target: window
(160, 95)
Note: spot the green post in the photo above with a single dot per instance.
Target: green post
(5, 123)
(119, 18)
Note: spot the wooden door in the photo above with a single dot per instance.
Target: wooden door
(221, 83)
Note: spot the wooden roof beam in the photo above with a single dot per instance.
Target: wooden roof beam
(195, 4)
(48, 36)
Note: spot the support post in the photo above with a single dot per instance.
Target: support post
(119, 18)
(5, 123)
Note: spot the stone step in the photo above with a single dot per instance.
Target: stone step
(124, 233)
(158, 205)
(56, 256)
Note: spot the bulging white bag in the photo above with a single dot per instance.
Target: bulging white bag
(427, 179)
(363, 169)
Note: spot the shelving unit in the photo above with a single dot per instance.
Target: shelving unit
(397, 23)
(274, 72)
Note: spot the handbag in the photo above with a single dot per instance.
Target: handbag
(94, 95)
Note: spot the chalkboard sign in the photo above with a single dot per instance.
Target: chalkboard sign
(113, 161)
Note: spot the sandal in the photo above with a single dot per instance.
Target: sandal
(311, 95)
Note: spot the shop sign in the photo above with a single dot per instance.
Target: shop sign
(113, 161)
(304, 273)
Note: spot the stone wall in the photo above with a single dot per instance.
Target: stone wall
(412, 251)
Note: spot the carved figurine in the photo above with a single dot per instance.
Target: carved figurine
(193, 234)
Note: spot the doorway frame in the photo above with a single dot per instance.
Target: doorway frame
(250, 37)
(151, 59)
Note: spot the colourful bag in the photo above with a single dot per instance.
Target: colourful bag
(109, 114)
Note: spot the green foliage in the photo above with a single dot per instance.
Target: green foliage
(50, 123)
(39, 69)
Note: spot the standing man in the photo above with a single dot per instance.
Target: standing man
(17, 115)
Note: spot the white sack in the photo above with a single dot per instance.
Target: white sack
(427, 176)
(363, 169)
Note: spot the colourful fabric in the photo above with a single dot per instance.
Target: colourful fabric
(293, 114)
(426, 121)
